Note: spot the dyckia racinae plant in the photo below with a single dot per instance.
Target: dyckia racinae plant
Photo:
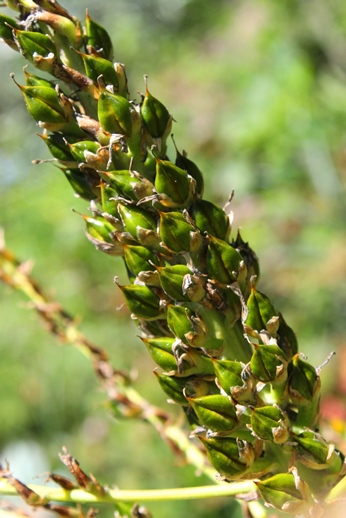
(224, 352)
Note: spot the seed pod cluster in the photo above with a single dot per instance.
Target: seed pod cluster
(224, 353)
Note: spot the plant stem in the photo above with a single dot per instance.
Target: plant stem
(117, 495)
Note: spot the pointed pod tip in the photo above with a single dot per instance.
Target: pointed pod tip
(145, 77)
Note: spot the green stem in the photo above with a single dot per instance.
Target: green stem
(338, 491)
(116, 495)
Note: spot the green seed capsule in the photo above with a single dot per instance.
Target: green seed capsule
(155, 115)
(304, 390)
(228, 374)
(210, 218)
(52, 110)
(43, 104)
(268, 363)
(173, 388)
(179, 321)
(172, 184)
(139, 259)
(176, 232)
(98, 39)
(215, 412)
(161, 351)
(77, 149)
(142, 302)
(102, 235)
(304, 380)
(32, 80)
(200, 328)
(190, 167)
(192, 362)
(249, 256)
(270, 423)
(59, 149)
(114, 113)
(96, 66)
(129, 184)
(235, 380)
(108, 202)
(37, 48)
(316, 453)
(172, 279)
(260, 312)
(99, 228)
(223, 262)
(7, 25)
(134, 218)
(81, 184)
(232, 458)
(286, 338)
(122, 80)
(286, 492)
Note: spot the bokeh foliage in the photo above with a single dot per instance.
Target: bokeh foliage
(258, 93)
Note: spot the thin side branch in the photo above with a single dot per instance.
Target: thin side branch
(116, 383)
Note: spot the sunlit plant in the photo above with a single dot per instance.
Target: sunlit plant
(224, 352)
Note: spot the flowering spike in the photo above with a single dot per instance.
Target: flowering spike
(229, 358)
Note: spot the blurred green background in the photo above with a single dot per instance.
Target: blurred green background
(258, 92)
